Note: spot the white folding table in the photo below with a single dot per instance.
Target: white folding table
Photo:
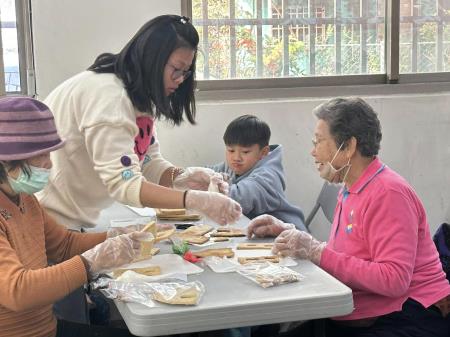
(231, 300)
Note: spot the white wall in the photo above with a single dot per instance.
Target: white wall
(69, 34)
(416, 143)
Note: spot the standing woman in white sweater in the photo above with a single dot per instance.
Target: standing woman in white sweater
(107, 116)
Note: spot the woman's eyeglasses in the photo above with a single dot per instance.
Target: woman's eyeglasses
(177, 73)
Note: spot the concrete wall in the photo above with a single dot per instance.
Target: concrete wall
(416, 142)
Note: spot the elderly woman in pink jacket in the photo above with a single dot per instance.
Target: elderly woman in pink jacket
(379, 244)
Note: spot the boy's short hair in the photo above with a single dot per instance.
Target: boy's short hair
(247, 130)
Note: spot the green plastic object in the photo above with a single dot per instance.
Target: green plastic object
(180, 248)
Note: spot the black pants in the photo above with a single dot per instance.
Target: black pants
(73, 307)
(73, 329)
(413, 321)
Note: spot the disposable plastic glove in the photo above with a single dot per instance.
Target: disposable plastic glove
(218, 184)
(299, 244)
(216, 206)
(114, 252)
(221, 180)
(199, 178)
(116, 231)
(266, 226)
(225, 176)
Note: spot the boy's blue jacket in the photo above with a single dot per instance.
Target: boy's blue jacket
(261, 189)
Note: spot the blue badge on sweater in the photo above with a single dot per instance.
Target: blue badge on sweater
(127, 174)
(147, 158)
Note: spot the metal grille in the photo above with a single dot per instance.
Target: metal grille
(282, 38)
(424, 36)
(296, 38)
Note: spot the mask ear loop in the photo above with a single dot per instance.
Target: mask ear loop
(20, 176)
(346, 165)
(335, 155)
(349, 167)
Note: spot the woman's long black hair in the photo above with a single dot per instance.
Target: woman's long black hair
(140, 65)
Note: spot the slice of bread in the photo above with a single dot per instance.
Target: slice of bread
(259, 245)
(150, 228)
(246, 260)
(170, 211)
(187, 296)
(149, 271)
(220, 252)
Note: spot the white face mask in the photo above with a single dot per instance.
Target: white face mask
(332, 175)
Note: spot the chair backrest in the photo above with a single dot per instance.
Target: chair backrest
(442, 241)
(326, 200)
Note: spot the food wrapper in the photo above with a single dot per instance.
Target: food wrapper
(188, 293)
(135, 292)
(220, 264)
(146, 293)
(267, 274)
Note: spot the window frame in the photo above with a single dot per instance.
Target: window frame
(391, 75)
(25, 50)
(2, 71)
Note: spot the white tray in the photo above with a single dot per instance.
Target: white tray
(169, 263)
(143, 211)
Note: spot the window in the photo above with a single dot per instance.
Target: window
(424, 36)
(16, 59)
(321, 41)
(289, 38)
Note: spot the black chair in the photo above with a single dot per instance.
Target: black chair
(326, 200)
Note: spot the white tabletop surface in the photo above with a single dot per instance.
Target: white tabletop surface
(231, 300)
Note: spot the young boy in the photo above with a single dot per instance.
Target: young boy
(256, 172)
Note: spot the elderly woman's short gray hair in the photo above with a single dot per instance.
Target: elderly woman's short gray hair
(352, 117)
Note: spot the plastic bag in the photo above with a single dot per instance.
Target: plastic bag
(188, 293)
(136, 292)
(220, 264)
(170, 292)
(267, 274)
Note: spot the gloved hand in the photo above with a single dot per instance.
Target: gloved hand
(218, 207)
(225, 176)
(114, 252)
(266, 225)
(299, 244)
(163, 226)
(198, 178)
(116, 231)
(218, 184)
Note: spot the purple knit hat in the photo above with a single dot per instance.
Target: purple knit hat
(27, 129)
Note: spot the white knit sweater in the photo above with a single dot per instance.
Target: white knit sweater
(98, 121)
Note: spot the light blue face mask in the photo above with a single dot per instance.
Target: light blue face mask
(30, 185)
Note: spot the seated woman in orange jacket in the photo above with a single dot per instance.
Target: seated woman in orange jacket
(29, 237)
